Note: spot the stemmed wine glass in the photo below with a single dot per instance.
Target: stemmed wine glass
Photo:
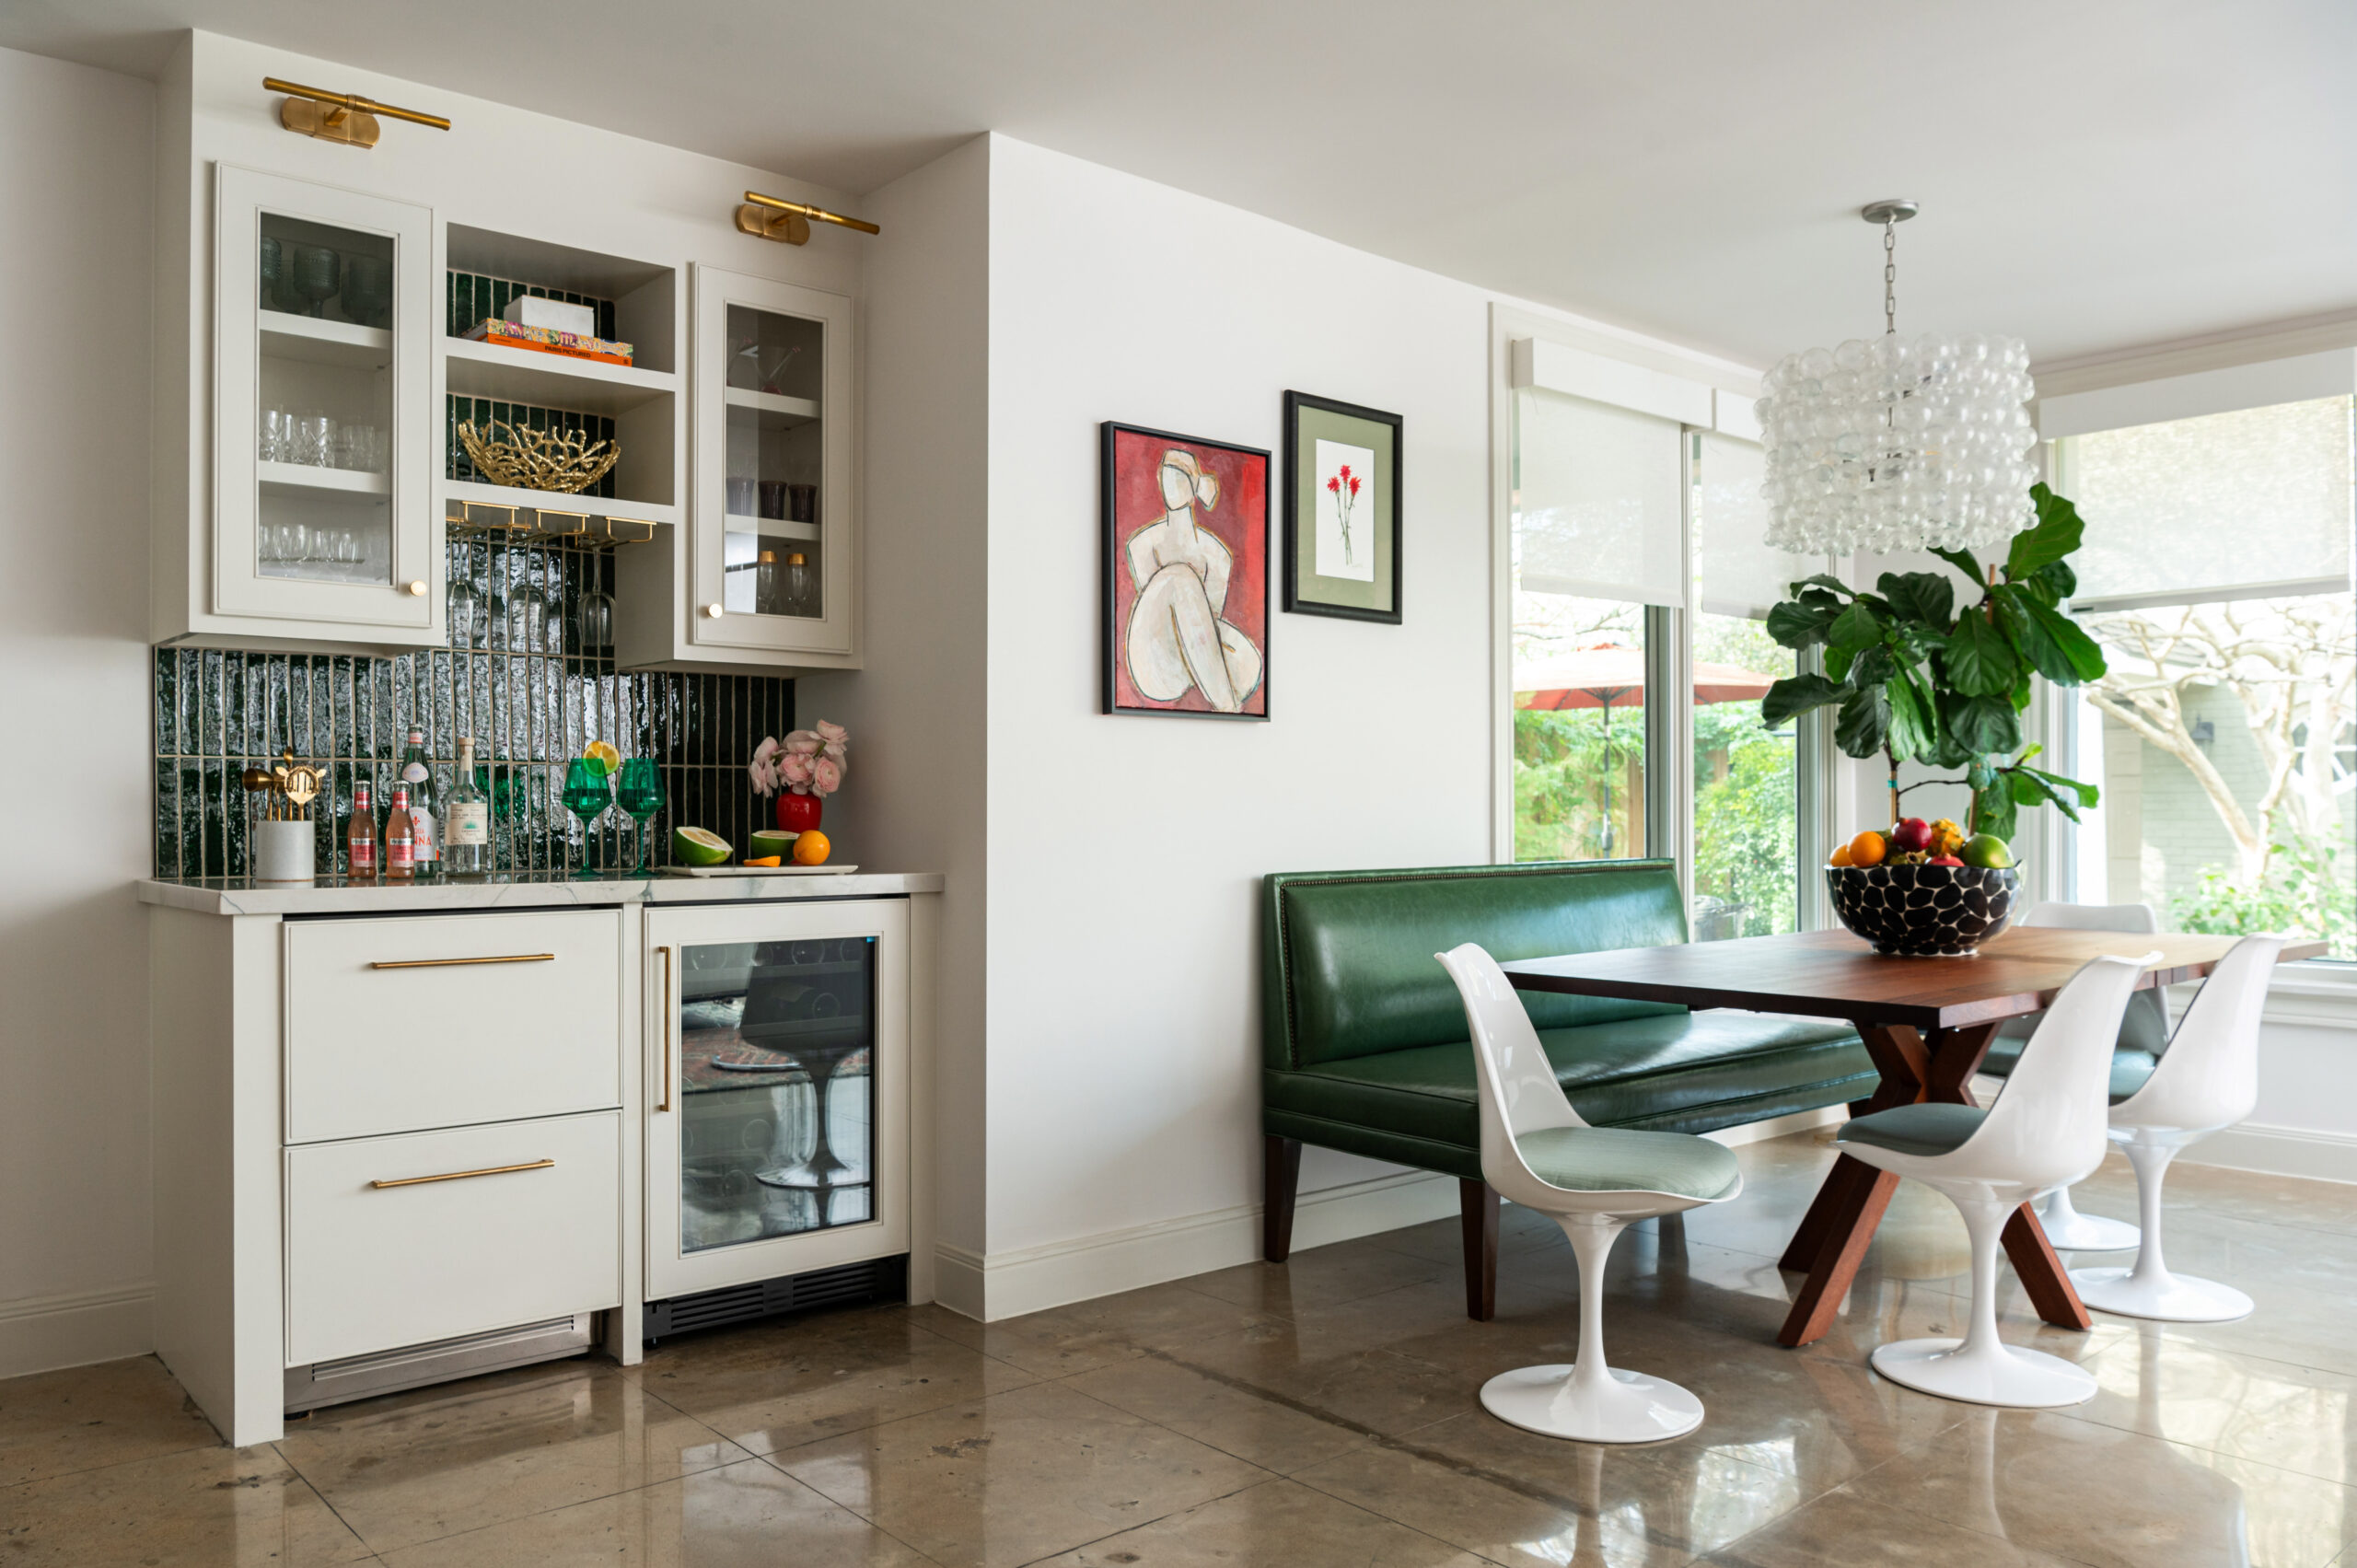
(642, 796)
(586, 796)
(317, 273)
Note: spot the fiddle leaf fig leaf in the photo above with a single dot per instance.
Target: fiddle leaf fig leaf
(2085, 659)
(1911, 725)
(1853, 629)
(1963, 560)
(2055, 535)
(1980, 662)
(1798, 626)
(1797, 695)
(1987, 724)
(1865, 721)
(1924, 597)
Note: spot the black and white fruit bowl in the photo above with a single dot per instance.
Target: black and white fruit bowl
(1923, 912)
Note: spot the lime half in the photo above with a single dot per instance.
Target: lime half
(699, 846)
(771, 841)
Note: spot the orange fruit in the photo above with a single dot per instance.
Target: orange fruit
(765, 859)
(811, 848)
(1840, 855)
(1867, 849)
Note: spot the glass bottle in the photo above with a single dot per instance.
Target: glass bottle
(425, 801)
(360, 838)
(401, 839)
(466, 830)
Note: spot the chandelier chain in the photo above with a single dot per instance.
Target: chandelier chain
(1890, 275)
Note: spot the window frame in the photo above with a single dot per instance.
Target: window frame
(1727, 391)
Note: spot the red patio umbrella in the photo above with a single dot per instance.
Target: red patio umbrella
(1611, 676)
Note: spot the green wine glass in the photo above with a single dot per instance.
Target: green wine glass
(642, 796)
(586, 796)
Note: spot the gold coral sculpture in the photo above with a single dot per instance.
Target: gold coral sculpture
(538, 460)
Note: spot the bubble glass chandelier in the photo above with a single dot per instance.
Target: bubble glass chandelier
(1897, 443)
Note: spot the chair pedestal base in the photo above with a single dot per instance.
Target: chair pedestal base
(2168, 1298)
(1623, 1407)
(1992, 1374)
(2070, 1231)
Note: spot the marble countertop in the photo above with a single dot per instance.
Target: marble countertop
(331, 895)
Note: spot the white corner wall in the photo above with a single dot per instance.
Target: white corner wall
(74, 164)
(1125, 852)
(915, 712)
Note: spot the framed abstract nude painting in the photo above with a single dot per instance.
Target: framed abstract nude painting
(1186, 588)
(1341, 549)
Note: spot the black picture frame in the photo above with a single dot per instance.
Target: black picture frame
(1299, 464)
(1109, 591)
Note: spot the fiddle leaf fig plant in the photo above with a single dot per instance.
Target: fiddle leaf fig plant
(1914, 676)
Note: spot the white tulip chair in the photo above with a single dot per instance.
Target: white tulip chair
(2143, 1034)
(2046, 1130)
(1593, 1182)
(2207, 1080)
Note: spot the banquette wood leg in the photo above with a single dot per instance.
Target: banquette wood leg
(1279, 1175)
(1477, 1208)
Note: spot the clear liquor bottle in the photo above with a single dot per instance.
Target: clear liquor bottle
(466, 821)
(425, 801)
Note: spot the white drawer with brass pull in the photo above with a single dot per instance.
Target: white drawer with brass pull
(400, 1024)
(428, 1236)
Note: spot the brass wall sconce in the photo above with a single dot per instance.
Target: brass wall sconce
(788, 223)
(340, 117)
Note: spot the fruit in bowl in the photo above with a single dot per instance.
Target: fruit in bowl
(1912, 892)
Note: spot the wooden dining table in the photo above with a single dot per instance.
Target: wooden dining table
(1926, 1022)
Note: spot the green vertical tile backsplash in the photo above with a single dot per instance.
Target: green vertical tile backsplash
(526, 691)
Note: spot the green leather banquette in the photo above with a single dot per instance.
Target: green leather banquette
(1366, 1049)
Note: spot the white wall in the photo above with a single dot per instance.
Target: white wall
(914, 794)
(74, 163)
(1126, 852)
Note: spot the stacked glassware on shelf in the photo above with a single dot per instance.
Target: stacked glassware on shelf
(310, 437)
(300, 279)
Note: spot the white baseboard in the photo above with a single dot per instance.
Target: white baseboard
(40, 1333)
(2279, 1151)
(1008, 1285)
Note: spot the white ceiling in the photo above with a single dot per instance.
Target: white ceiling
(2095, 174)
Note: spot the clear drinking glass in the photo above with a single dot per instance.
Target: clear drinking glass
(314, 439)
(274, 435)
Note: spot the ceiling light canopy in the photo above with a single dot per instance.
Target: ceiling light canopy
(1897, 443)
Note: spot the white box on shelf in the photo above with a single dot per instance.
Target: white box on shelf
(534, 310)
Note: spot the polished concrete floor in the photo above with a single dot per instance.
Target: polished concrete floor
(1314, 1414)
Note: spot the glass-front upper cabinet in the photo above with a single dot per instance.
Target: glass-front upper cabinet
(773, 541)
(323, 464)
(778, 1130)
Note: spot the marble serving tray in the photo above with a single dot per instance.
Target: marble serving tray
(759, 870)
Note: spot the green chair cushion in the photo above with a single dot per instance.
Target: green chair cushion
(1615, 1159)
(1349, 970)
(1924, 1129)
(2129, 1067)
(1681, 1068)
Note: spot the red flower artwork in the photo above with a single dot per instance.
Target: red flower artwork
(1344, 488)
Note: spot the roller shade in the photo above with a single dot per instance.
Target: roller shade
(1735, 570)
(2254, 503)
(1597, 511)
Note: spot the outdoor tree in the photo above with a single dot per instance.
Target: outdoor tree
(2292, 666)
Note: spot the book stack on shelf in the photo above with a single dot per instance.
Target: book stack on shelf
(549, 326)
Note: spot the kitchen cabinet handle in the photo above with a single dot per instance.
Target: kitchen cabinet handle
(666, 1030)
(442, 963)
(462, 1175)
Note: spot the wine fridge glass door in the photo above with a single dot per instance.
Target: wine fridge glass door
(783, 1131)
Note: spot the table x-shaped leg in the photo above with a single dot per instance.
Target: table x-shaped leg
(1832, 1237)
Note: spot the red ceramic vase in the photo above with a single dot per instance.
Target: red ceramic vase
(798, 813)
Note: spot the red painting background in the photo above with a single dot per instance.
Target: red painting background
(1239, 520)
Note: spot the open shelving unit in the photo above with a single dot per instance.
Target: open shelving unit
(478, 369)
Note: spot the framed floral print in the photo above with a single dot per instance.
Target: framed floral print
(1186, 576)
(1341, 546)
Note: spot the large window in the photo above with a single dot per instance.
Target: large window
(2216, 576)
(1639, 572)
(1597, 520)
